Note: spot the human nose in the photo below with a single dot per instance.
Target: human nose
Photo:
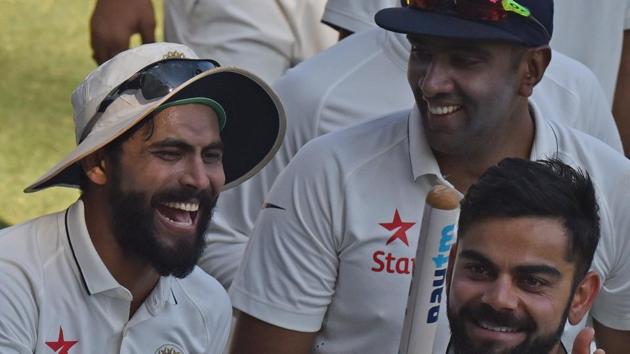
(196, 174)
(436, 79)
(501, 295)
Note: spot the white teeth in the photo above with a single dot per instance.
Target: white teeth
(497, 329)
(183, 206)
(440, 110)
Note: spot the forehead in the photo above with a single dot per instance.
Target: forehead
(195, 122)
(521, 240)
(461, 44)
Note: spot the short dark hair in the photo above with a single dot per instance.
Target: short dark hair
(114, 148)
(545, 188)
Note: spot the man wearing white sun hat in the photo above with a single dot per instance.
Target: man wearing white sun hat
(160, 133)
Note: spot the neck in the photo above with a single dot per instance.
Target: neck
(515, 140)
(135, 275)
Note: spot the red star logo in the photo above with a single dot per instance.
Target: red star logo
(61, 346)
(402, 227)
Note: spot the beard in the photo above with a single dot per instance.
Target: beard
(463, 344)
(133, 225)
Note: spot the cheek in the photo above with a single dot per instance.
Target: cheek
(545, 311)
(414, 74)
(462, 291)
(216, 174)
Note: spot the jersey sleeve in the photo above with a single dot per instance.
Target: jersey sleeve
(612, 260)
(288, 274)
(18, 309)
(238, 208)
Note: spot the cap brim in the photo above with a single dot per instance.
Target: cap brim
(417, 22)
(253, 132)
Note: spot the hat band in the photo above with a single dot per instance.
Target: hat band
(216, 107)
(483, 10)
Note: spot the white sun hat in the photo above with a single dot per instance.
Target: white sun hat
(254, 120)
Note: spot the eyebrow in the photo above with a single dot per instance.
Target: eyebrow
(521, 269)
(180, 144)
(461, 47)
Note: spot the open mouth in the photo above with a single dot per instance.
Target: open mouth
(179, 214)
(495, 328)
(441, 110)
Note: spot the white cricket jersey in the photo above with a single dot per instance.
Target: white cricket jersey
(264, 37)
(355, 16)
(58, 296)
(362, 78)
(319, 257)
(591, 31)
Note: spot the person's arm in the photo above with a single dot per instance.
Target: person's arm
(113, 23)
(613, 341)
(621, 106)
(582, 344)
(254, 336)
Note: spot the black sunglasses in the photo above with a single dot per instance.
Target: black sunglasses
(154, 81)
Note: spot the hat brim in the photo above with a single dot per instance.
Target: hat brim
(418, 22)
(254, 129)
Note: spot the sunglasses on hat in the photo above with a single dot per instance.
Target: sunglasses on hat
(154, 81)
(484, 10)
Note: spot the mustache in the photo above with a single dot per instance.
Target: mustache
(485, 313)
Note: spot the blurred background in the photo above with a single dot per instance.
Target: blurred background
(44, 54)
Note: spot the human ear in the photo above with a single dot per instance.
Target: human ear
(533, 66)
(584, 296)
(95, 167)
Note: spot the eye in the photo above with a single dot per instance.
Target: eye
(462, 60)
(477, 271)
(532, 283)
(167, 155)
(210, 157)
(421, 53)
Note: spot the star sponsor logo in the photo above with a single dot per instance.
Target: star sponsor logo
(169, 349)
(386, 260)
(401, 228)
(61, 345)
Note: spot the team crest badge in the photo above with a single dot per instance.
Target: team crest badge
(169, 349)
(174, 55)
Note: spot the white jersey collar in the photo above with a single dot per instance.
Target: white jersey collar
(94, 275)
(422, 160)
(545, 137)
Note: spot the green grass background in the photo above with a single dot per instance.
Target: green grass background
(44, 54)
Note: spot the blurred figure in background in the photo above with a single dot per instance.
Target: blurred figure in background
(597, 33)
(264, 37)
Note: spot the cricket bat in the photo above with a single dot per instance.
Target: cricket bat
(427, 291)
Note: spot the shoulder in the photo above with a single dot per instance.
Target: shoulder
(323, 70)
(27, 242)
(357, 143)
(207, 295)
(609, 169)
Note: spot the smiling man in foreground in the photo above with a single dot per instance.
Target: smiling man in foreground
(520, 268)
(159, 135)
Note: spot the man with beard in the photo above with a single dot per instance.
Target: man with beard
(520, 268)
(330, 257)
(160, 133)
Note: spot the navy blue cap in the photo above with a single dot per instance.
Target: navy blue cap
(445, 22)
